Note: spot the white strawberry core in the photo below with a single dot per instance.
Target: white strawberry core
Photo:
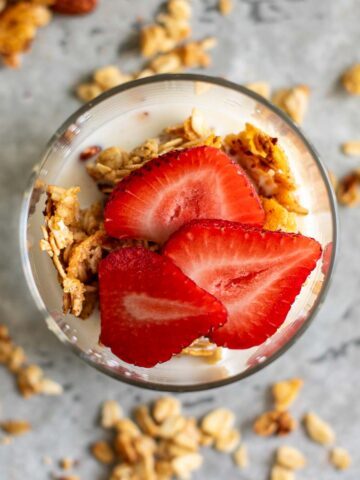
(143, 307)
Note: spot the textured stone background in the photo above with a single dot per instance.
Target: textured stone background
(282, 41)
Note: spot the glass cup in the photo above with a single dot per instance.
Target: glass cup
(126, 116)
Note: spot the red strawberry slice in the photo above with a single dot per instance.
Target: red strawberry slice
(149, 309)
(180, 186)
(255, 273)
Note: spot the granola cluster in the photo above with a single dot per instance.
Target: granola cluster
(19, 23)
(165, 44)
(76, 241)
(163, 443)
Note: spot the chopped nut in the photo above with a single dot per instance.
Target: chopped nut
(240, 456)
(225, 6)
(90, 152)
(88, 91)
(286, 392)
(183, 466)
(228, 442)
(351, 79)
(318, 430)
(290, 457)
(261, 88)
(103, 452)
(274, 422)
(348, 190)
(294, 101)
(15, 427)
(218, 422)
(165, 407)
(340, 458)
(351, 148)
(66, 463)
(171, 426)
(110, 414)
(281, 473)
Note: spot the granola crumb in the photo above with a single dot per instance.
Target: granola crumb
(111, 413)
(318, 430)
(290, 457)
(88, 91)
(225, 7)
(15, 427)
(294, 101)
(103, 452)
(281, 473)
(66, 463)
(109, 77)
(261, 88)
(241, 457)
(351, 148)
(340, 458)
(351, 79)
(286, 392)
(348, 189)
(274, 423)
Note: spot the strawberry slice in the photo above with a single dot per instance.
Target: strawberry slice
(180, 186)
(149, 309)
(255, 273)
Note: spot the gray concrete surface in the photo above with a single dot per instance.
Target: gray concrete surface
(282, 41)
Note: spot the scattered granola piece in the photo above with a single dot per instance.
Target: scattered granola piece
(15, 427)
(184, 465)
(16, 359)
(351, 148)
(285, 393)
(261, 88)
(154, 39)
(125, 425)
(88, 91)
(228, 441)
(28, 380)
(340, 458)
(218, 422)
(180, 9)
(351, 79)
(110, 77)
(290, 457)
(50, 387)
(165, 407)
(274, 422)
(66, 463)
(171, 426)
(166, 63)
(144, 419)
(103, 452)
(281, 473)
(111, 413)
(294, 101)
(318, 430)
(241, 457)
(225, 7)
(348, 190)
(278, 217)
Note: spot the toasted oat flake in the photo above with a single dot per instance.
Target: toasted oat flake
(351, 79)
(286, 392)
(241, 457)
(15, 427)
(165, 407)
(340, 458)
(145, 421)
(281, 473)
(109, 77)
(274, 422)
(111, 413)
(351, 148)
(125, 425)
(225, 7)
(183, 466)
(228, 442)
(318, 430)
(218, 422)
(261, 88)
(294, 101)
(290, 457)
(171, 426)
(103, 452)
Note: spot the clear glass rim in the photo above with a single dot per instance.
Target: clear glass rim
(25, 260)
